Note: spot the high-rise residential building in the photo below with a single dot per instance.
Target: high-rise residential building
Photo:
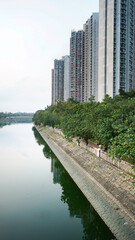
(61, 79)
(116, 36)
(66, 60)
(53, 88)
(86, 28)
(77, 65)
(91, 29)
(58, 76)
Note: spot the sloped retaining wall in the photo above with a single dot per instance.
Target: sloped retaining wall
(108, 207)
(125, 166)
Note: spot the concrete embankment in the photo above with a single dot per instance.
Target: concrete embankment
(107, 188)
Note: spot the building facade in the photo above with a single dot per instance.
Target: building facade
(53, 88)
(86, 28)
(91, 29)
(66, 60)
(58, 80)
(116, 41)
(77, 65)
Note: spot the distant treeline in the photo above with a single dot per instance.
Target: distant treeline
(9, 114)
(8, 118)
(110, 123)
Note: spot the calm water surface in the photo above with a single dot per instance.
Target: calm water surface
(38, 199)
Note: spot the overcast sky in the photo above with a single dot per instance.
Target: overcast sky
(32, 34)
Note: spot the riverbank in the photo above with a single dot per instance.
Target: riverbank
(109, 189)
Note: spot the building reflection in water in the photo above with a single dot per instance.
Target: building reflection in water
(79, 207)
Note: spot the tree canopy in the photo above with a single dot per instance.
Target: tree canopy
(110, 123)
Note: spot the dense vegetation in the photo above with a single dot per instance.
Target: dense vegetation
(110, 123)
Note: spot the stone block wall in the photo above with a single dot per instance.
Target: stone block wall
(124, 166)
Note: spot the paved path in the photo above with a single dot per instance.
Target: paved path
(108, 189)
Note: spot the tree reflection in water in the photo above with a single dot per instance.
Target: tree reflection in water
(93, 226)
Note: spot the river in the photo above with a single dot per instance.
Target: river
(38, 198)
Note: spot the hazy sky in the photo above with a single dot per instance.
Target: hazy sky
(32, 34)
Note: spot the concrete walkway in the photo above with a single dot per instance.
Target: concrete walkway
(108, 189)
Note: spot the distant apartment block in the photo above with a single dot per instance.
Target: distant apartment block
(91, 29)
(66, 60)
(53, 88)
(116, 42)
(77, 65)
(86, 28)
(58, 81)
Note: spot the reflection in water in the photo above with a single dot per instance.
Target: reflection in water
(12, 121)
(93, 226)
